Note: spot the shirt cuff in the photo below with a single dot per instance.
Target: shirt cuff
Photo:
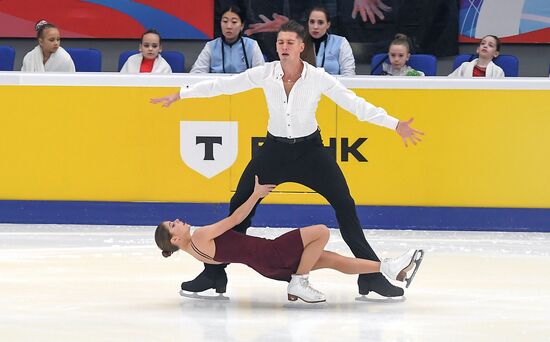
(391, 122)
(184, 90)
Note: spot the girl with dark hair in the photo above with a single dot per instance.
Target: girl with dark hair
(48, 55)
(483, 66)
(148, 60)
(231, 53)
(289, 257)
(399, 53)
(333, 52)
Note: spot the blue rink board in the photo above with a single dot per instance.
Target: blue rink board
(275, 215)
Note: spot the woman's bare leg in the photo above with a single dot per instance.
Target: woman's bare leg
(314, 239)
(345, 264)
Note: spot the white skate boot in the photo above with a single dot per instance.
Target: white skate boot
(299, 287)
(396, 269)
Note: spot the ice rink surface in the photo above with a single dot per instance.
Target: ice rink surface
(110, 283)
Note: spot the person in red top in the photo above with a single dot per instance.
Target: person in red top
(483, 66)
(479, 71)
(148, 60)
(289, 257)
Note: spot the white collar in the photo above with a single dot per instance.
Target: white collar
(278, 74)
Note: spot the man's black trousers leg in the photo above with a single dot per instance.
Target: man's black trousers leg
(318, 170)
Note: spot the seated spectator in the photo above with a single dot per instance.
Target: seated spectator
(231, 53)
(399, 54)
(483, 66)
(333, 53)
(48, 55)
(148, 60)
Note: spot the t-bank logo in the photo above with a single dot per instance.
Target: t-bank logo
(208, 147)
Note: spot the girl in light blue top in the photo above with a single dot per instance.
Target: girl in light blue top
(231, 53)
(333, 53)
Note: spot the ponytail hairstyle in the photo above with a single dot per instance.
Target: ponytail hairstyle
(41, 26)
(308, 55)
(402, 39)
(162, 238)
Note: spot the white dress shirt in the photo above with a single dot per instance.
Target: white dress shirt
(292, 117)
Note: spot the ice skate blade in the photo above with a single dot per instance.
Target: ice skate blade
(364, 298)
(418, 256)
(194, 295)
(294, 298)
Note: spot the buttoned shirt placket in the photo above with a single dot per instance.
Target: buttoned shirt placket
(288, 106)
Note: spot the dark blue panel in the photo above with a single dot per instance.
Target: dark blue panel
(276, 215)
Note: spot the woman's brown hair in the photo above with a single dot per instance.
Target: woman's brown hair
(162, 238)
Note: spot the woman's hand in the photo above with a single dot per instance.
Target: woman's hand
(262, 190)
(267, 25)
(369, 10)
(407, 132)
(166, 100)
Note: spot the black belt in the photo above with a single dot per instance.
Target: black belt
(312, 136)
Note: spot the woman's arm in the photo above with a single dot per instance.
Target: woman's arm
(257, 55)
(214, 230)
(346, 59)
(202, 64)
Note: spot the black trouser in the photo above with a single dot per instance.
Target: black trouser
(311, 164)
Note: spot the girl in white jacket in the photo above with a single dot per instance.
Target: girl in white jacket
(483, 66)
(399, 54)
(48, 55)
(148, 60)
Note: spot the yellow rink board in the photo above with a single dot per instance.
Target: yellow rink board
(482, 148)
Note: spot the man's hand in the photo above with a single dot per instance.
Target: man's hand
(405, 130)
(368, 9)
(166, 100)
(262, 190)
(267, 25)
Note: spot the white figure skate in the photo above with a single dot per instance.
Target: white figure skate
(299, 287)
(396, 269)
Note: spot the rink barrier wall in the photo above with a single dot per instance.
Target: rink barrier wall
(95, 138)
(276, 215)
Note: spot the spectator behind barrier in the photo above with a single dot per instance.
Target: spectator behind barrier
(148, 60)
(483, 66)
(48, 55)
(333, 53)
(230, 53)
(399, 53)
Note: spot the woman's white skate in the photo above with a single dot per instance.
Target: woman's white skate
(397, 268)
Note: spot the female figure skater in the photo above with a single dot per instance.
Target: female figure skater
(289, 257)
